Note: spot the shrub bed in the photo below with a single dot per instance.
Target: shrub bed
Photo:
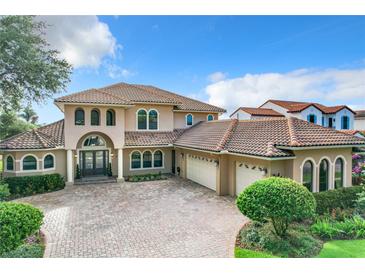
(17, 222)
(30, 185)
(146, 177)
(337, 198)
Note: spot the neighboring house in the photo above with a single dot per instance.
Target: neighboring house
(246, 113)
(138, 129)
(359, 123)
(354, 132)
(337, 117)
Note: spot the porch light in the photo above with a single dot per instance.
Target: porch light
(111, 155)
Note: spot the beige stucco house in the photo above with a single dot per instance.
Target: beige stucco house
(138, 129)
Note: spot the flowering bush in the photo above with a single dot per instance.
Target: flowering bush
(356, 157)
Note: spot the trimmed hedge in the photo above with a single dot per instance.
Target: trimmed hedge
(337, 198)
(30, 185)
(17, 222)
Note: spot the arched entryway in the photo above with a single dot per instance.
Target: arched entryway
(95, 151)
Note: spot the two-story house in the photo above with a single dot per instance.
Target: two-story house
(337, 117)
(137, 129)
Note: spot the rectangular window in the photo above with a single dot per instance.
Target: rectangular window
(330, 122)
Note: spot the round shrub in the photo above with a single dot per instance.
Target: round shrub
(17, 222)
(279, 200)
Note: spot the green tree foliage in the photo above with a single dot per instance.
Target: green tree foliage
(29, 115)
(278, 200)
(30, 71)
(11, 124)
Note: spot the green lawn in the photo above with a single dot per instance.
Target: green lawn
(343, 249)
(245, 253)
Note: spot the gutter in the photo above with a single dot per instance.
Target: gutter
(319, 147)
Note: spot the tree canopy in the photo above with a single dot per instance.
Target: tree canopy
(30, 71)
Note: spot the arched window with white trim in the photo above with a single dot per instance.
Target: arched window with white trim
(142, 119)
(29, 163)
(308, 175)
(153, 119)
(323, 175)
(9, 163)
(157, 158)
(189, 119)
(147, 159)
(339, 173)
(94, 141)
(48, 161)
(135, 160)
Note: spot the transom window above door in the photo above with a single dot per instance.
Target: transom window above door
(94, 141)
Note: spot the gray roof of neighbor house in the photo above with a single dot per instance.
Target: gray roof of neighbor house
(266, 112)
(49, 136)
(130, 94)
(360, 114)
(271, 137)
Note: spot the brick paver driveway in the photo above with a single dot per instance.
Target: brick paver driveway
(171, 218)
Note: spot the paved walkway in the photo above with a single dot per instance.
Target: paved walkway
(171, 218)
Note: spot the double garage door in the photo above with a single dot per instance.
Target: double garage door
(246, 175)
(202, 171)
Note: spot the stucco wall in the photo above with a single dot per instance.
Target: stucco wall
(73, 132)
(179, 118)
(127, 171)
(59, 158)
(166, 118)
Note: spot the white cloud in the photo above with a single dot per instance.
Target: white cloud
(114, 71)
(216, 76)
(331, 85)
(82, 40)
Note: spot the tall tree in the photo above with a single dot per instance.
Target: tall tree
(30, 71)
(29, 115)
(11, 124)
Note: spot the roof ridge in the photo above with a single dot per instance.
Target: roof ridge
(74, 93)
(228, 134)
(292, 134)
(143, 87)
(102, 90)
(40, 139)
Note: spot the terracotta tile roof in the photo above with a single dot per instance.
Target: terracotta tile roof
(210, 135)
(293, 106)
(263, 137)
(260, 112)
(360, 114)
(147, 138)
(49, 136)
(353, 131)
(129, 94)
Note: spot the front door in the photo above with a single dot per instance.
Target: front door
(94, 162)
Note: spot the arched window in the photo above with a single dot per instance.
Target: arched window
(110, 117)
(136, 160)
(79, 117)
(95, 117)
(48, 161)
(9, 163)
(157, 158)
(210, 117)
(152, 119)
(339, 173)
(189, 119)
(312, 118)
(308, 175)
(147, 159)
(29, 163)
(345, 122)
(323, 175)
(142, 119)
(94, 141)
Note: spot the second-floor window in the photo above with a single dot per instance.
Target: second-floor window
(110, 117)
(189, 119)
(95, 117)
(147, 120)
(345, 122)
(79, 117)
(312, 118)
(330, 122)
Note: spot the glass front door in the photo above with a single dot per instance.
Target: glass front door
(94, 162)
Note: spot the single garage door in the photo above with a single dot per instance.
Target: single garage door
(202, 171)
(246, 175)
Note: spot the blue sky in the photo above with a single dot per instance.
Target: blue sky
(225, 60)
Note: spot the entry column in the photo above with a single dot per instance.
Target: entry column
(70, 160)
(120, 165)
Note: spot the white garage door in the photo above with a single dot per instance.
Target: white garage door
(202, 171)
(246, 175)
